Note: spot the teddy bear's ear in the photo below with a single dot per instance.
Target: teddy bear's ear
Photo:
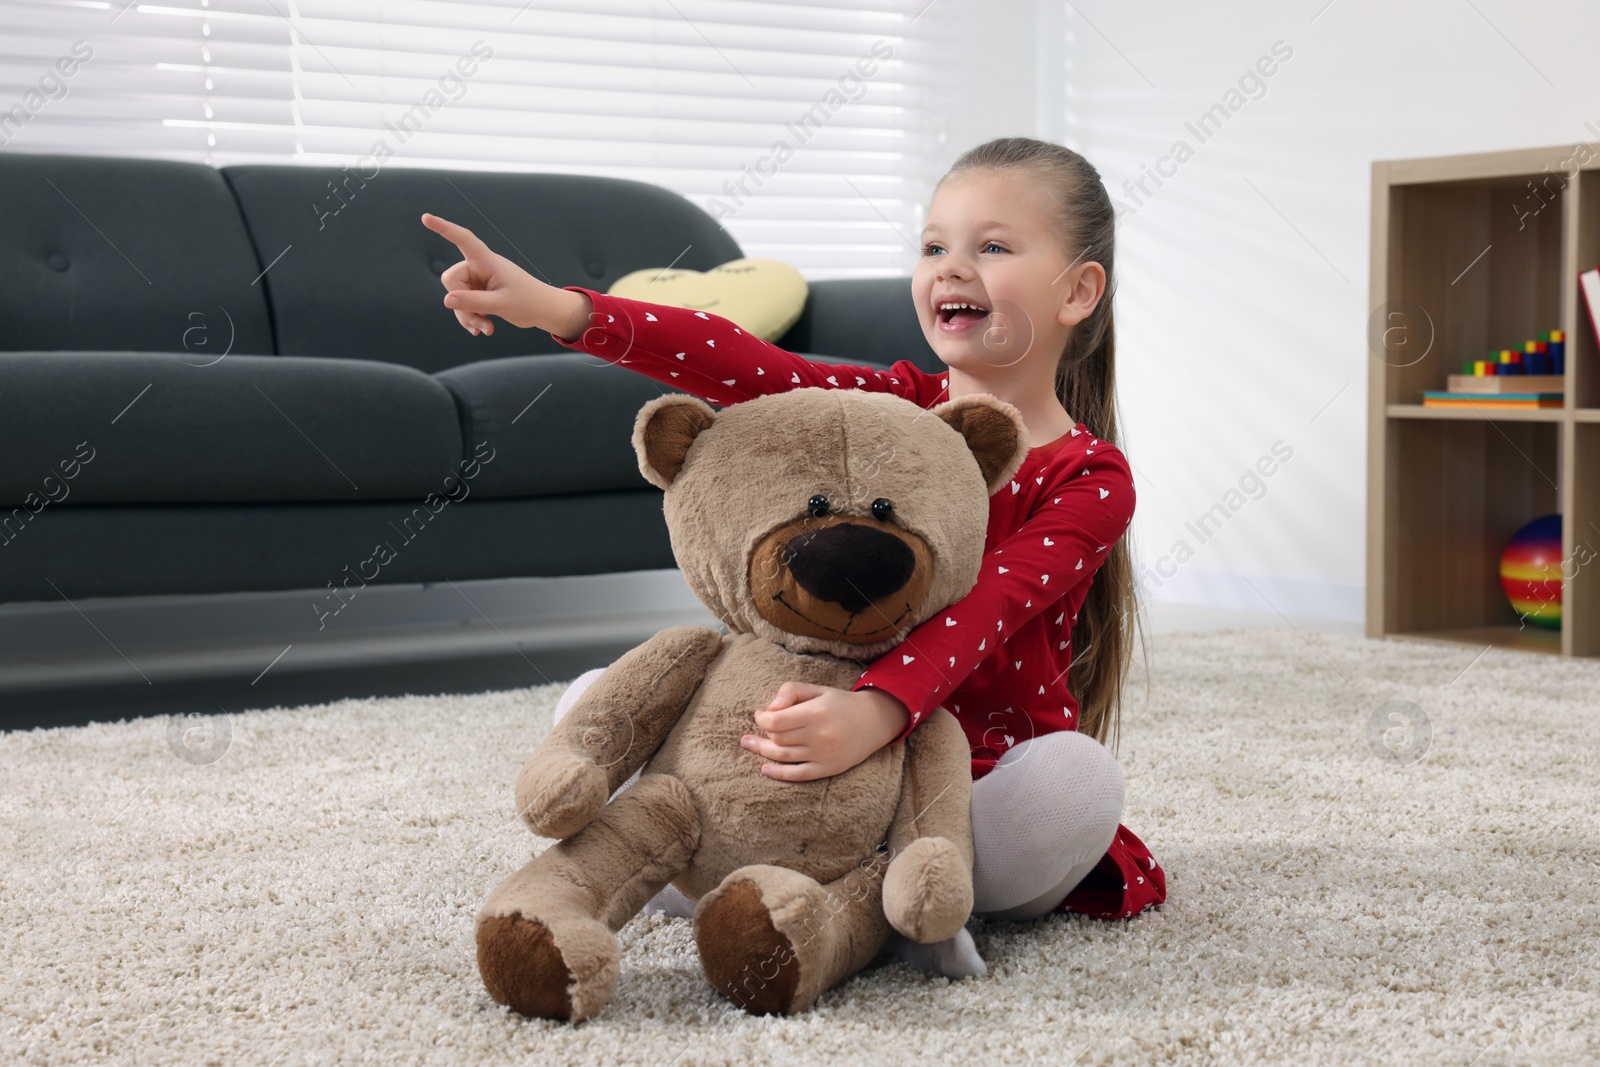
(663, 432)
(994, 431)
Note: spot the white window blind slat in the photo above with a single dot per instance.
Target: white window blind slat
(699, 96)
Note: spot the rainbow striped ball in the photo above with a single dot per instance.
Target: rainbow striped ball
(1530, 572)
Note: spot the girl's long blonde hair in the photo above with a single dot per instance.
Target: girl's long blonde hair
(1102, 638)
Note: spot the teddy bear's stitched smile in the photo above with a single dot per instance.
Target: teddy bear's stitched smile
(778, 596)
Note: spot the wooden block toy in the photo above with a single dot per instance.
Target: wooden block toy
(1479, 384)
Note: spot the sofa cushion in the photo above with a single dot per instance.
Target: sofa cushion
(145, 427)
(359, 273)
(133, 551)
(559, 423)
(103, 253)
(166, 549)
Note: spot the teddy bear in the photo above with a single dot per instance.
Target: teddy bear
(821, 526)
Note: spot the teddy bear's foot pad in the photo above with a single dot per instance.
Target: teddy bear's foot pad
(524, 968)
(744, 955)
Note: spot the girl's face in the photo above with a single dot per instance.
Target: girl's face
(990, 241)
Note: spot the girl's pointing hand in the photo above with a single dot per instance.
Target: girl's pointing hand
(485, 283)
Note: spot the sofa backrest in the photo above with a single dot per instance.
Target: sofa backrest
(355, 275)
(121, 254)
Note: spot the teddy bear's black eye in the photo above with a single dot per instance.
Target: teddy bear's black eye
(818, 505)
(882, 509)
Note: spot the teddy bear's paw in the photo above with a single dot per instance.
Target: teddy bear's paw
(548, 975)
(559, 796)
(757, 932)
(927, 891)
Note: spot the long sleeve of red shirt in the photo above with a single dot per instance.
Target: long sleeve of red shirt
(999, 657)
(710, 357)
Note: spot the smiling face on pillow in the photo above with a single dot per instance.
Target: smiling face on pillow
(762, 296)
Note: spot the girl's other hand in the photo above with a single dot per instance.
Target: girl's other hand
(816, 731)
(485, 283)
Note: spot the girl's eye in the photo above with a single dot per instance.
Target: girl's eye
(929, 249)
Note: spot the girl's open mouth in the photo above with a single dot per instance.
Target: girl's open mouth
(955, 318)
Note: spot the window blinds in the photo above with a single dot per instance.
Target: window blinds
(807, 129)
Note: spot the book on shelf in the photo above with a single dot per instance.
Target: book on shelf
(1440, 399)
(1589, 282)
(1507, 383)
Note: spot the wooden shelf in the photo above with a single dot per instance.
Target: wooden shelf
(1417, 411)
(1472, 253)
(1529, 638)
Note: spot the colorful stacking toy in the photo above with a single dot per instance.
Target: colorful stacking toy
(1530, 377)
(1530, 572)
(1547, 354)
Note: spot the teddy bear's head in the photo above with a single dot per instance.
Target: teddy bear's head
(829, 520)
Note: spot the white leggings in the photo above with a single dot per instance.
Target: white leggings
(1041, 821)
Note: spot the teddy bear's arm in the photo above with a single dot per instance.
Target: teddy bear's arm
(927, 891)
(613, 729)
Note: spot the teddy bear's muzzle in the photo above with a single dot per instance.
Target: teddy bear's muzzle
(852, 580)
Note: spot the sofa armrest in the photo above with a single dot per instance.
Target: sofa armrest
(861, 320)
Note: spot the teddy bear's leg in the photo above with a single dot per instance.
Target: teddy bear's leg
(772, 940)
(546, 944)
(927, 891)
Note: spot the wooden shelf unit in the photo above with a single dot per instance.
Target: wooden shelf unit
(1471, 253)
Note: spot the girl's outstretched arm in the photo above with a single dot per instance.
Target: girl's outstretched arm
(709, 356)
(697, 352)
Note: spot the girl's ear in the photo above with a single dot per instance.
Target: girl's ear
(663, 431)
(995, 433)
(1078, 301)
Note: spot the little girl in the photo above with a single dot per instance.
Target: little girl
(1013, 289)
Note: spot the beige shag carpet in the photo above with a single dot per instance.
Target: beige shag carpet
(1377, 852)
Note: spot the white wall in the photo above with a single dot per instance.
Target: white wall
(1243, 280)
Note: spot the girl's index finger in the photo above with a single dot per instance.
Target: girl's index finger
(460, 236)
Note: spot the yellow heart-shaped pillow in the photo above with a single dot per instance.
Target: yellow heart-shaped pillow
(763, 296)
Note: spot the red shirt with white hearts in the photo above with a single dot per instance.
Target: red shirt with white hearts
(997, 658)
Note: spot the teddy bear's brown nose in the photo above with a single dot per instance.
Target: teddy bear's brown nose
(849, 564)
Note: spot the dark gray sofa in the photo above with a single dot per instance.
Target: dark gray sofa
(239, 379)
